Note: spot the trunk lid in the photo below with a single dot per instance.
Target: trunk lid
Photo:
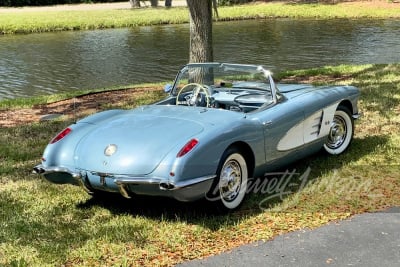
(141, 138)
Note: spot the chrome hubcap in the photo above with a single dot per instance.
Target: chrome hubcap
(338, 132)
(230, 180)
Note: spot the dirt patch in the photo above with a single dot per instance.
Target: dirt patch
(72, 108)
(84, 105)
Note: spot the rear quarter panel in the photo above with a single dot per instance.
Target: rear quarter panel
(204, 159)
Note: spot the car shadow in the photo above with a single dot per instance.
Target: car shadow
(160, 208)
(210, 215)
(295, 177)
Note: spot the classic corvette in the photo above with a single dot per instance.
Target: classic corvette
(220, 125)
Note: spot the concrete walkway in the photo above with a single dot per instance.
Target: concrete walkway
(102, 6)
(370, 239)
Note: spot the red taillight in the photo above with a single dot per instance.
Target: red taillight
(61, 135)
(186, 148)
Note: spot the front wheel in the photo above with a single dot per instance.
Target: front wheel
(231, 184)
(341, 132)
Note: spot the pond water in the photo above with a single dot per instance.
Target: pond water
(47, 63)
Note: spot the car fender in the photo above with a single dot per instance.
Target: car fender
(204, 159)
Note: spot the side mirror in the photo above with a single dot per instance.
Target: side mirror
(167, 88)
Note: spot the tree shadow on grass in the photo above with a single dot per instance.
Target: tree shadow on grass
(378, 84)
(66, 225)
(297, 176)
(378, 87)
(207, 213)
(51, 234)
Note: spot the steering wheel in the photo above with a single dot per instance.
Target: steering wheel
(196, 98)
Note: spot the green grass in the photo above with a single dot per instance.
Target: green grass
(43, 224)
(320, 11)
(88, 20)
(29, 22)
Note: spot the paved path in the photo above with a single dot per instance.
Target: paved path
(102, 6)
(371, 239)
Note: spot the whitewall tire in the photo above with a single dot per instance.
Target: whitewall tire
(341, 132)
(231, 184)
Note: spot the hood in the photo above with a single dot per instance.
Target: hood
(141, 138)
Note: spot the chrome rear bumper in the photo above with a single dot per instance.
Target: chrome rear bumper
(62, 175)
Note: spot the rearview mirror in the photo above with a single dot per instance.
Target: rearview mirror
(167, 88)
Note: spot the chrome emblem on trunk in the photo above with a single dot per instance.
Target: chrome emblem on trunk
(110, 150)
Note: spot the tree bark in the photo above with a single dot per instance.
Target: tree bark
(201, 49)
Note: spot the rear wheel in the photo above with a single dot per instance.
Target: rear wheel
(231, 184)
(341, 132)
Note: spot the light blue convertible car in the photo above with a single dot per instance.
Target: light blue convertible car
(220, 125)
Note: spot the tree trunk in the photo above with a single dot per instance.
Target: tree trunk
(134, 3)
(201, 49)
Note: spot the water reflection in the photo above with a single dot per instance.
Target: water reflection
(46, 63)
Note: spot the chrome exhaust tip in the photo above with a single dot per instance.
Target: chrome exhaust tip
(167, 186)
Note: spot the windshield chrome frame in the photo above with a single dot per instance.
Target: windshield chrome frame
(247, 67)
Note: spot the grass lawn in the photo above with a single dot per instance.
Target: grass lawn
(43, 224)
(29, 22)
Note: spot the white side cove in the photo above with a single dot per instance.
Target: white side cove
(312, 128)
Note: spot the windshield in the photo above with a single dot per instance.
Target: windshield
(216, 75)
(234, 87)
